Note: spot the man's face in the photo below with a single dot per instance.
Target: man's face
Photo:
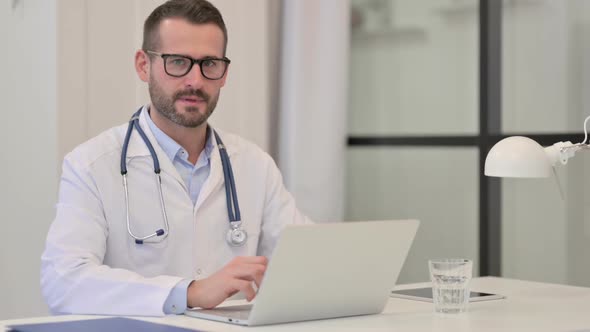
(189, 100)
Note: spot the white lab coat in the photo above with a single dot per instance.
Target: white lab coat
(92, 266)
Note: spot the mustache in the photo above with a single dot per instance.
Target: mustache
(192, 92)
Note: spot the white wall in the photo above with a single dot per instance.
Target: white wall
(28, 142)
(546, 76)
(438, 186)
(419, 76)
(528, 30)
(68, 75)
(535, 59)
(416, 73)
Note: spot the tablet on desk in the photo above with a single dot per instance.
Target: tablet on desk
(425, 294)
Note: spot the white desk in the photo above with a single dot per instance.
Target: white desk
(529, 306)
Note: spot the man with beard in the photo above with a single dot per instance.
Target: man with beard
(102, 255)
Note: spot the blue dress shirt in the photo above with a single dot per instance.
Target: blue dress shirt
(194, 177)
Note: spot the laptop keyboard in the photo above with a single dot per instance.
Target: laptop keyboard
(237, 311)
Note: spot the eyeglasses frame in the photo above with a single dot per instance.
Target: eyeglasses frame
(193, 61)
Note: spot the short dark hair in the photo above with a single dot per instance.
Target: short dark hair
(194, 11)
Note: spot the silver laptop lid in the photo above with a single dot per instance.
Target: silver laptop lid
(332, 270)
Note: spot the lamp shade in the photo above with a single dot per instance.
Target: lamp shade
(518, 157)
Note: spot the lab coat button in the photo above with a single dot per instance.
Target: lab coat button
(199, 272)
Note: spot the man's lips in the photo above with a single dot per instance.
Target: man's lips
(192, 100)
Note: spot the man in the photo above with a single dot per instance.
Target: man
(102, 254)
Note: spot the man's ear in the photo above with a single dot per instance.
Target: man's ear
(142, 65)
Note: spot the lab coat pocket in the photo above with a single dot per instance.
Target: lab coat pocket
(149, 258)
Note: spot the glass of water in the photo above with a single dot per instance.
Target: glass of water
(450, 284)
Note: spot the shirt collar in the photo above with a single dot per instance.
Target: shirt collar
(169, 145)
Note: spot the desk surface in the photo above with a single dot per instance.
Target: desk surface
(529, 306)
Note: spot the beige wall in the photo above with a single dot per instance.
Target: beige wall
(98, 87)
(68, 76)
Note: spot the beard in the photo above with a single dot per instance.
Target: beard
(191, 117)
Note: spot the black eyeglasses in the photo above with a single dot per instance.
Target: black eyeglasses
(179, 65)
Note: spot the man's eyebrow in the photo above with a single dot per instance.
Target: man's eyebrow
(208, 57)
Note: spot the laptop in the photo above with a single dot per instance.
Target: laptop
(323, 271)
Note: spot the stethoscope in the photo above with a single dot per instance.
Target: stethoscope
(236, 235)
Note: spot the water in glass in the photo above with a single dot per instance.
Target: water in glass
(450, 293)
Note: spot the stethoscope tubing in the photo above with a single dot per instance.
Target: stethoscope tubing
(228, 176)
(236, 235)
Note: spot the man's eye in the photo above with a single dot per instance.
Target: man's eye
(177, 61)
(209, 63)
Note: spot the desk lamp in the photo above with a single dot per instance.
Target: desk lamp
(522, 157)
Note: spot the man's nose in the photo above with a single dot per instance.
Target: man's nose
(194, 78)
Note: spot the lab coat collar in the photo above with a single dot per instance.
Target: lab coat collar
(138, 148)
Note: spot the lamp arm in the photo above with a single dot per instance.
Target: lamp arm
(575, 147)
(562, 151)
(585, 130)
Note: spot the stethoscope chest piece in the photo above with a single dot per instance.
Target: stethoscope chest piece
(236, 235)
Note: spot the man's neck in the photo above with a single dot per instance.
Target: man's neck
(191, 139)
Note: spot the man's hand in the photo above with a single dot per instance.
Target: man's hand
(236, 276)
